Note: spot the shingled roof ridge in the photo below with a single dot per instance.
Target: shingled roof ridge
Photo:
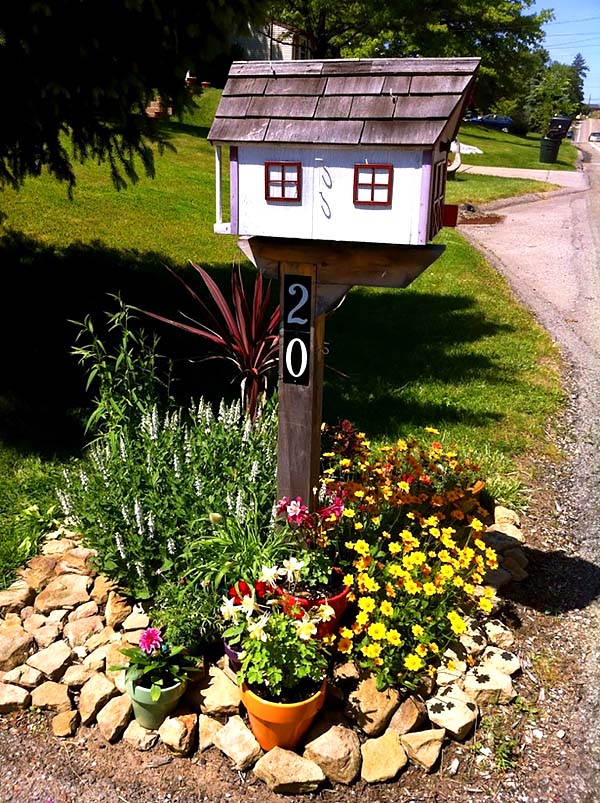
(307, 68)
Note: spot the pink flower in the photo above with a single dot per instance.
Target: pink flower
(150, 640)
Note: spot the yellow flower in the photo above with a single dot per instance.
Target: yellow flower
(447, 571)
(485, 604)
(359, 494)
(421, 650)
(402, 445)
(394, 547)
(348, 580)
(429, 589)
(386, 608)
(376, 631)
(344, 646)
(458, 581)
(361, 547)
(376, 520)
(411, 587)
(469, 588)
(480, 544)
(432, 430)
(393, 638)
(434, 647)
(348, 512)
(413, 663)
(345, 462)
(366, 604)
(390, 591)
(362, 618)
(345, 632)
(457, 623)
(306, 628)
(371, 650)
(403, 486)
(370, 584)
(476, 525)
(417, 631)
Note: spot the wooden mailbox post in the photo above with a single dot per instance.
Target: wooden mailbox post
(337, 178)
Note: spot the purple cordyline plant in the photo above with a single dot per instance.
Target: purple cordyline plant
(246, 333)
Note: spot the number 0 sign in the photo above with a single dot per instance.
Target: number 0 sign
(297, 306)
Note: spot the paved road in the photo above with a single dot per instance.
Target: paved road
(549, 251)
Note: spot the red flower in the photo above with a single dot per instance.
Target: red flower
(261, 589)
(239, 590)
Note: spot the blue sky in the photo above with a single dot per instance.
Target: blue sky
(575, 29)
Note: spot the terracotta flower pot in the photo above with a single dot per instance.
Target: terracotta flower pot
(151, 714)
(281, 724)
(339, 603)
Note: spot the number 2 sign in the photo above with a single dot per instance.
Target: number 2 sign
(297, 308)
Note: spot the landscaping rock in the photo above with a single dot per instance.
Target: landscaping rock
(94, 695)
(488, 686)
(15, 644)
(102, 587)
(502, 660)
(473, 640)
(16, 597)
(137, 620)
(104, 636)
(53, 660)
(39, 571)
(222, 696)
(288, 773)
(66, 591)
(179, 733)
(337, 752)
(58, 547)
(25, 676)
(96, 660)
(117, 610)
(79, 631)
(452, 712)
(13, 698)
(372, 709)
(78, 560)
(424, 747)
(410, 715)
(382, 758)
(114, 717)
(46, 635)
(504, 515)
(33, 621)
(207, 730)
(140, 738)
(82, 611)
(498, 635)
(513, 566)
(347, 671)
(238, 743)
(57, 617)
(51, 696)
(65, 724)
(77, 675)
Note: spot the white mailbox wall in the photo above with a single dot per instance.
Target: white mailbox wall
(327, 210)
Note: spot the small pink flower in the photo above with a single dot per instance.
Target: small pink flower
(150, 640)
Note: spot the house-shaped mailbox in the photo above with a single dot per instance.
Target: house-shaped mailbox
(339, 150)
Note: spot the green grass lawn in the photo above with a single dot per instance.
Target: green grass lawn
(479, 189)
(453, 351)
(509, 150)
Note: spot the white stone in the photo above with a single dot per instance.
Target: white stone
(238, 743)
(456, 716)
(114, 717)
(53, 660)
(488, 686)
(502, 660)
(222, 697)
(140, 738)
(13, 698)
(498, 635)
(382, 758)
(94, 695)
(424, 747)
(179, 733)
(370, 708)
(288, 773)
(337, 752)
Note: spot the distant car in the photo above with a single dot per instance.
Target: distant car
(499, 121)
(594, 136)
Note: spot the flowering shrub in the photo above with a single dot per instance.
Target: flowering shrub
(411, 515)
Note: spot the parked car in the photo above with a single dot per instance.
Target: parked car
(499, 121)
(594, 136)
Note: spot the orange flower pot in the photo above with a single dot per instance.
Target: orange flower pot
(281, 724)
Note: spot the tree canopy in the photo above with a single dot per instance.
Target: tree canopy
(501, 33)
(76, 76)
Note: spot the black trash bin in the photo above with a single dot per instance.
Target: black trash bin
(549, 150)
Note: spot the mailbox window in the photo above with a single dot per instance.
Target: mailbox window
(283, 181)
(373, 185)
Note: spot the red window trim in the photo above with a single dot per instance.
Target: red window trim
(283, 183)
(361, 185)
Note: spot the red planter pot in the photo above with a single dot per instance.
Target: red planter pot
(339, 603)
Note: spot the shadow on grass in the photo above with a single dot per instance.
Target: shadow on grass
(389, 345)
(386, 343)
(44, 289)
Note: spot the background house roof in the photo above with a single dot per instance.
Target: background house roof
(385, 102)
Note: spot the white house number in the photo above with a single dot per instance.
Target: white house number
(297, 305)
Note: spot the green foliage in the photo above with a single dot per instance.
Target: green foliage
(280, 655)
(94, 86)
(185, 613)
(125, 377)
(552, 92)
(156, 668)
(508, 150)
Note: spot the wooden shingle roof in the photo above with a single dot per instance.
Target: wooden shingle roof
(385, 102)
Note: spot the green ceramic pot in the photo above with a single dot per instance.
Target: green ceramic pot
(148, 713)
